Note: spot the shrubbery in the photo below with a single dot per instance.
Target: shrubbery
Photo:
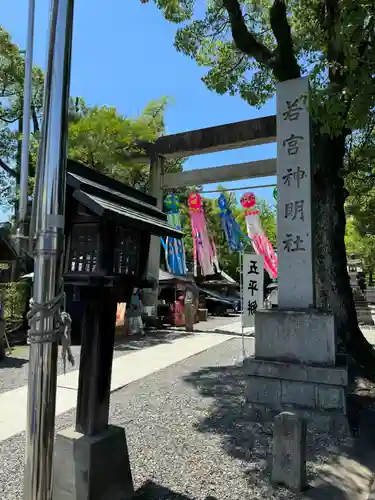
(14, 296)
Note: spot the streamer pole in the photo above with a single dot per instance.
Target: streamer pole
(24, 177)
(49, 211)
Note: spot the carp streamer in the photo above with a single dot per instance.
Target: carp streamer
(233, 234)
(173, 247)
(261, 243)
(203, 247)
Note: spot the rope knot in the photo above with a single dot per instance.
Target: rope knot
(60, 329)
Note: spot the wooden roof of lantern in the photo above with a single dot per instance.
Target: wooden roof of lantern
(116, 201)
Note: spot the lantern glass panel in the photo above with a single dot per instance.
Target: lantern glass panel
(126, 256)
(84, 248)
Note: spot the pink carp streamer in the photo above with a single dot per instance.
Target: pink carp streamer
(204, 248)
(261, 243)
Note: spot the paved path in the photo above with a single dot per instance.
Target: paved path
(189, 431)
(190, 434)
(125, 369)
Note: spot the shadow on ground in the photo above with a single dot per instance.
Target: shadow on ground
(161, 336)
(152, 338)
(167, 335)
(153, 491)
(339, 468)
(12, 361)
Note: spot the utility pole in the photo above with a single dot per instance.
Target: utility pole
(49, 213)
(24, 174)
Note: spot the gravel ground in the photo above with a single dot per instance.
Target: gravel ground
(188, 432)
(14, 369)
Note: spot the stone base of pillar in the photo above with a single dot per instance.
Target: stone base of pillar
(297, 336)
(362, 307)
(294, 368)
(316, 393)
(150, 300)
(370, 294)
(92, 467)
(364, 316)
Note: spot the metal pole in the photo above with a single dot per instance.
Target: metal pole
(48, 256)
(26, 116)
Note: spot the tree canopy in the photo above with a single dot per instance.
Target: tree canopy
(105, 141)
(360, 182)
(360, 204)
(360, 245)
(247, 47)
(99, 136)
(12, 67)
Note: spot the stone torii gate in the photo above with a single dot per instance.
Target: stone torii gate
(296, 362)
(236, 135)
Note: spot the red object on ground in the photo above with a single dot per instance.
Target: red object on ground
(177, 314)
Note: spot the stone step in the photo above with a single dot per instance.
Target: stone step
(295, 371)
(284, 393)
(334, 423)
(319, 392)
(364, 315)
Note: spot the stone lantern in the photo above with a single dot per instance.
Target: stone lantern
(108, 229)
(360, 301)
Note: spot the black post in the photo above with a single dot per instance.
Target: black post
(2, 331)
(94, 385)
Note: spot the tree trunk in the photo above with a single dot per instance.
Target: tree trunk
(333, 290)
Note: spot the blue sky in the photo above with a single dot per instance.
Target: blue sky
(123, 56)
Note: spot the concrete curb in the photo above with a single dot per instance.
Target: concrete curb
(235, 334)
(371, 495)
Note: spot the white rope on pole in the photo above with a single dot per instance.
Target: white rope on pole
(62, 326)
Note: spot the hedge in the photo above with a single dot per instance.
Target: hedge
(14, 296)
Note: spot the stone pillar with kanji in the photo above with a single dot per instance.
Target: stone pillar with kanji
(295, 363)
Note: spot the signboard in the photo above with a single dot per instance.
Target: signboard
(294, 227)
(252, 293)
(120, 314)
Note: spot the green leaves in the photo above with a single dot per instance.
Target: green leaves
(99, 136)
(104, 140)
(236, 41)
(361, 245)
(360, 178)
(175, 11)
(12, 68)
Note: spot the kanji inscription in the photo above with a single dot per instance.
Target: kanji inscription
(294, 186)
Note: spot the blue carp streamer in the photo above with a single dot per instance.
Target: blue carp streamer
(173, 247)
(233, 234)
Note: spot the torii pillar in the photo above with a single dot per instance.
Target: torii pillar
(207, 140)
(150, 296)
